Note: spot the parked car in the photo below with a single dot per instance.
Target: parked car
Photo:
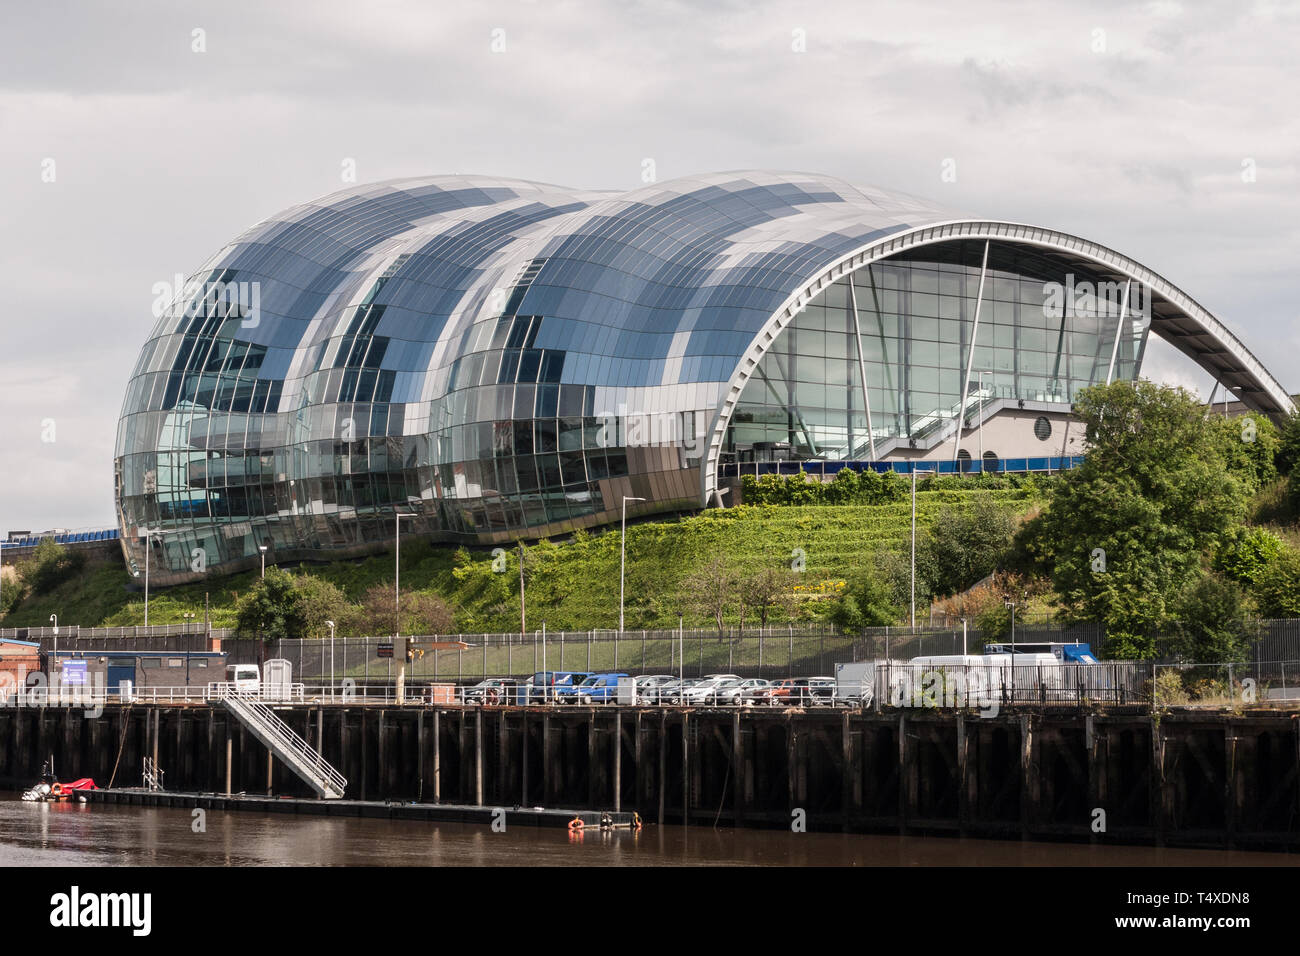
(736, 691)
(649, 687)
(783, 692)
(494, 690)
(705, 691)
(596, 689)
(672, 693)
(546, 685)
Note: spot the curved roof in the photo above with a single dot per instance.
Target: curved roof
(661, 285)
(669, 283)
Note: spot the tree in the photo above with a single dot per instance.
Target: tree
(1246, 552)
(1277, 586)
(865, 603)
(766, 589)
(271, 609)
(965, 545)
(1124, 533)
(711, 589)
(319, 601)
(1214, 622)
(290, 605)
(49, 566)
(1288, 445)
(1250, 446)
(422, 612)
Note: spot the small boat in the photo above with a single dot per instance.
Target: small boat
(53, 792)
(50, 790)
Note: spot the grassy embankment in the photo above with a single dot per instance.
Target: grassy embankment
(572, 585)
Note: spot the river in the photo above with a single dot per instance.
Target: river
(81, 835)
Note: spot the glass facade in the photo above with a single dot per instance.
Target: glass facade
(903, 327)
(503, 359)
(509, 360)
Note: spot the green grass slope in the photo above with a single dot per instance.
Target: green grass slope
(571, 585)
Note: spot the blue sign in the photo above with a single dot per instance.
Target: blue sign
(74, 672)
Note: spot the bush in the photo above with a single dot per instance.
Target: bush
(965, 545)
(284, 605)
(1214, 622)
(1276, 588)
(1247, 552)
(865, 602)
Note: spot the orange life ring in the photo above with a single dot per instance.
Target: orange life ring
(636, 820)
(576, 825)
(56, 790)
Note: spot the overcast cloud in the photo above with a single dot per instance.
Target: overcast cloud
(1130, 124)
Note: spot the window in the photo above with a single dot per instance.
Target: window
(1042, 428)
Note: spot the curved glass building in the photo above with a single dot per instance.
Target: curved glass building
(505, 360)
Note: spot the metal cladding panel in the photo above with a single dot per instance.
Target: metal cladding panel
(501, 358)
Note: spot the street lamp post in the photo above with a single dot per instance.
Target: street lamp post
(330, 625)
(1011, 603)
(54, 619)
(913, 612)
(398, 652)
(261, 548)
(148, 535)
(622, 559)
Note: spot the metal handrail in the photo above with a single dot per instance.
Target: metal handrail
(258, 712)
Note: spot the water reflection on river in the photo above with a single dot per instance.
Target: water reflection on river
(81, 835)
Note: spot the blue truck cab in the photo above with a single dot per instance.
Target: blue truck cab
(548, 685)
(596, 689)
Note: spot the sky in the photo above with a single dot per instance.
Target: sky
(137, 139)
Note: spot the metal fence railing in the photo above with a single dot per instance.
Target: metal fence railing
(876, 684)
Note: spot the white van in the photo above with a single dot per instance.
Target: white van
(245, 678)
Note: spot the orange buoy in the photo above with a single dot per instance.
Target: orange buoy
(576, 825)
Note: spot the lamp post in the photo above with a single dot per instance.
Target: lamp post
(148, 534)
(54, 619)
(398, 652)
(622, 559)
(912, 618)
(1011, 603)
(261, 548)
(330, 625)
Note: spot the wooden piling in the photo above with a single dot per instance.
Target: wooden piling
(437, 757)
